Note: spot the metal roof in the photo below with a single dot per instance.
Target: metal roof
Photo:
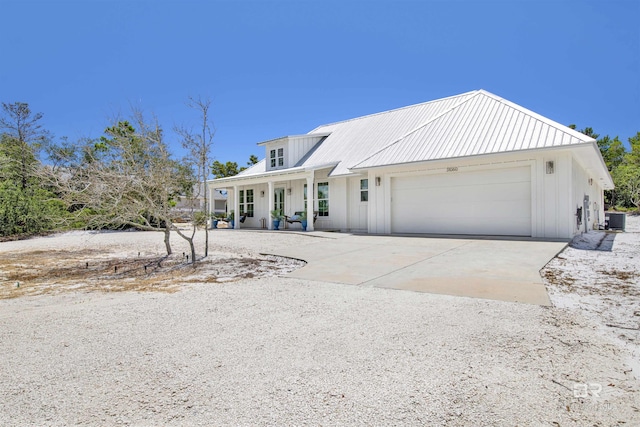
(257, 169)
(481, 124)
(352, 141)
(469, 124)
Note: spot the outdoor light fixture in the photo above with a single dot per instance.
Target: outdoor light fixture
(590, 181)
(550, 167)
(262, 193)
(289, 191)
(378, 181)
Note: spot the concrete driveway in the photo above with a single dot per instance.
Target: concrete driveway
(505, 269)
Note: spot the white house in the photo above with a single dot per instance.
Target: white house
(217, 201)
(468, 164)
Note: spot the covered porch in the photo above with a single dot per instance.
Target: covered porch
(255, 196)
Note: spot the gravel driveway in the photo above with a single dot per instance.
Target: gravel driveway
(283, 351)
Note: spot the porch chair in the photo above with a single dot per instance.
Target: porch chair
(295, 218)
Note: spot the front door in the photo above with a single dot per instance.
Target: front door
(358, 209)
(278, 200)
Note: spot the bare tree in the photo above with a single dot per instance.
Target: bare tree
(199, 146)
(125, 178)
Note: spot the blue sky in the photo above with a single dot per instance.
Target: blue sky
(275, 68)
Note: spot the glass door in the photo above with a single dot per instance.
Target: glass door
(278, 200)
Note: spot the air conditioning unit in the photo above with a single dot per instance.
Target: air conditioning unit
(615, 220)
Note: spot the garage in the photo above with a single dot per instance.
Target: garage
(489, 202)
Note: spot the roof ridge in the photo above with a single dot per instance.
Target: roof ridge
(431, 120)
(393, 110)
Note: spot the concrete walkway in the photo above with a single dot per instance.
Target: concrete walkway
(505, 269)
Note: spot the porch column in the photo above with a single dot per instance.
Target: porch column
(310, 201)
(270, 201)
(236, 208)
(212, 202)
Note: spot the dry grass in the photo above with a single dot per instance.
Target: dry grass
(49, 272)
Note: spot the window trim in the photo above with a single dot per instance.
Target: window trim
(279, 204)
(323, 213)
(244, 204)
(276, 158)
(364, 191)
(249, 204)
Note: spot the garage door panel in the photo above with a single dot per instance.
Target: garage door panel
(468, 178)
(476, 191)
(452, 225)
(494, 202)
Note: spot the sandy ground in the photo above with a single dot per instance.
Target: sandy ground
(234, 343)
(598, 275)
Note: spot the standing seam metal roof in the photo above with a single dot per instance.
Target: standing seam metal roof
(468, 124)
(481, 124)
(353, 140)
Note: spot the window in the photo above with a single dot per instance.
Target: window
(249, 204)
(246, 205)
(323, 199)
(278, 200)
(304, 196)
(276, 157)
(364, 190)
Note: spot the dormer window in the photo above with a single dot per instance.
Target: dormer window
(276, 157)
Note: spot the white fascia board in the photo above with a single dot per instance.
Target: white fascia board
(257, 176)
(293, 137)
(322, 166)
(268, 176)
(476, 156)
(598, 166)
(282, 138)
(604, 165)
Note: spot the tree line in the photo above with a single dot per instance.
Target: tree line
(223, 170)
(125, 178)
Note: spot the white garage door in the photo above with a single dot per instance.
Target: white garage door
(492, 202)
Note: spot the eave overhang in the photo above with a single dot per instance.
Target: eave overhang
(271, 176)
(587, 154)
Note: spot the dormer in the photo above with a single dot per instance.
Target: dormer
(287, 151)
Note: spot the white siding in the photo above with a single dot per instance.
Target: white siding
(551, 195)
(552, 204)
(298, 147)
(338, 202)
(584, 185)
(294, 149)
(358, 210)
